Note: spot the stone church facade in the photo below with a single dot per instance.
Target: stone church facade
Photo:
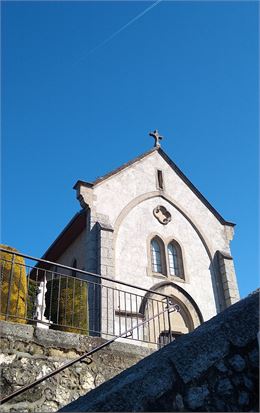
(147, 225)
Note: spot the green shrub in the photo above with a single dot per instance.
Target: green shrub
(17, 292)
(33, 289)
(67, 304)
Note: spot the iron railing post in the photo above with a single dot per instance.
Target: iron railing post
(168, 303)
(10, 288)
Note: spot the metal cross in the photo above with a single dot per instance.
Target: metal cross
(157, 137)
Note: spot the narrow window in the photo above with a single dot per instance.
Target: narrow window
(160, 179)
(175, 259)
(74, 265)
(55, 271)
(156, 256)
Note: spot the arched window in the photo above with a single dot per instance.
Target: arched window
(166, 258)
(156, 255)
(175, 259)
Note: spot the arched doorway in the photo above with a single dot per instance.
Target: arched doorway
(167, 324)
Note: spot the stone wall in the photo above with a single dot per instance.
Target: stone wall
(229, 281)
(214, 368)
(28, 353)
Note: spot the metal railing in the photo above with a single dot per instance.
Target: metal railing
(60, 297)
(169, 309)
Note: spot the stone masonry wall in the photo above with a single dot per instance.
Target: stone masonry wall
(28, 353)
(215, 368)
(229, 281)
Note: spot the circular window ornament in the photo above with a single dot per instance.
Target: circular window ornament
(162, 215)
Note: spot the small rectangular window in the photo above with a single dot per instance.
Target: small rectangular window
(159, 179)
(167, 337)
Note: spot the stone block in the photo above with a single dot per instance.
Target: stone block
(106, 242)
(104, 236)
(103, 253)
(243, 398)
(229, 284)
(106, 261)
(237, 363)
(111, 253)
(5, 344)
(103, 270)
(57, 338)
(224, 275)
(254, 358)
(221, 367)
(195, 397)
(34, 348)
(130, 349)
(110, 235)
(19, 331)
(178, 404)
(110, 270)
(225, 387)
(248, 383)
(231, 293)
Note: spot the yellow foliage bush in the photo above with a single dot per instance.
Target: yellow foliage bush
(17, 292)
(67, 304)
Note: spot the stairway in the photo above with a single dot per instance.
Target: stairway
(214, 368)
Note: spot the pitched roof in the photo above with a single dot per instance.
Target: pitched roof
(114, 172)
(64, 239)
(173, 166)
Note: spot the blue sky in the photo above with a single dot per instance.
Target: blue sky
(75, 106)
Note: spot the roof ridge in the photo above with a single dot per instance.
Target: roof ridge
(173, 166)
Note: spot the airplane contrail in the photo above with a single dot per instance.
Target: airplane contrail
(118, 31)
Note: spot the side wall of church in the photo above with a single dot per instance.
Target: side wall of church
(75, 251)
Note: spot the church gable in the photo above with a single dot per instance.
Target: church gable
(154, 174)
(128, 176)
(149, 207)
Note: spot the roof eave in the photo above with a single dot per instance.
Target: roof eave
(78, 221)
(84, 183)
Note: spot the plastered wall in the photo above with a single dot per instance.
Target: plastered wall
(133, 241)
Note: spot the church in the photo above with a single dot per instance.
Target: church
(146, 225)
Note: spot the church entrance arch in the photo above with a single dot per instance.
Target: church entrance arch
(168, 326)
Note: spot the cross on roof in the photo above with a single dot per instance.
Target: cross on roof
(157, 137)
